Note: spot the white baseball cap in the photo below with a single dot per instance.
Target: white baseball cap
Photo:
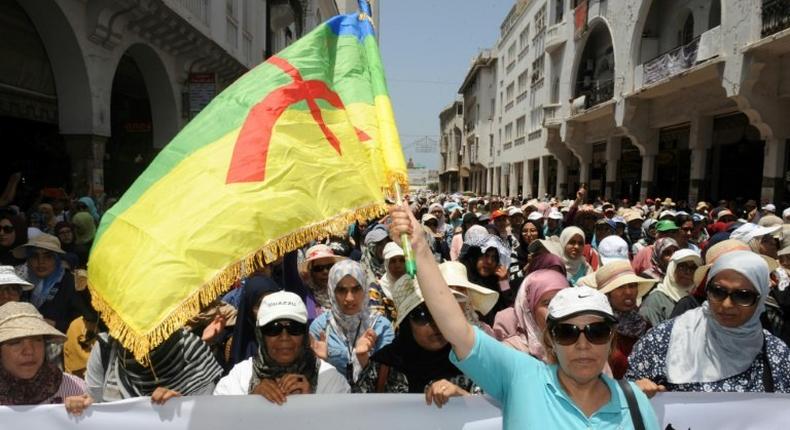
(749, 231)
(770, 208)
(555, 214)
(786, 214)
(514, 211)
(534, 216)
(570, 302)
(281, 305)
(612, 248)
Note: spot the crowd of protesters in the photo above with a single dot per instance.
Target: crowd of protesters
(668, 296)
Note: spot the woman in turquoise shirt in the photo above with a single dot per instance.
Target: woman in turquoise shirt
(572, 393)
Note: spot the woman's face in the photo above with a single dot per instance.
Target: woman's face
(380, 248)
(42, 262)
(574, 247)
(397, 266)
(582, 361)
(602, 231)
(652, 232)
(66, 236)
(769, 246)
(427, 335)
(7, 233)
(349, 295)
(623, 299)
(487, 263)
(319, 271)
(284, 348)
(726, 312)
(542, 309)
(529, 233)
(784, 260)
(10, 293)
(22, 357)
(684, 273)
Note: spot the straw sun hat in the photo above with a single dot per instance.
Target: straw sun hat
(618, 273)
(42, 241)
(407, 295)
(20, 319)
(482, 299)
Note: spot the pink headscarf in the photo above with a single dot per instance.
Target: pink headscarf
(535, 285)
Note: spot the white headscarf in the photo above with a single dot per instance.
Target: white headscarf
(702, 350)
(669, 286)
(573, 266)
(392, 249)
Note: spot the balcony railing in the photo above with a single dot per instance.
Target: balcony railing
(776, 16)
(672, 62)
(600, 92)
(551, 114)
(509, 106)
(519, 141)
(553, 37)
(521, 97)
(198, 8)
(535, 134)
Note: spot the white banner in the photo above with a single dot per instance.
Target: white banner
(682, 411)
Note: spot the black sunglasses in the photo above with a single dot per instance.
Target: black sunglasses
(597, 333)
(421, 316)
(320, 268)
(743, 298)
(276, 328)
(7, 229)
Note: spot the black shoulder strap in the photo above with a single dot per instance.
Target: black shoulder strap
(633, 406)
(768, 377)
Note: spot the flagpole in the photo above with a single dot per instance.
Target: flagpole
(408, 253)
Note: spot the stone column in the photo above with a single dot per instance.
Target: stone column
(773, 169)
(562, 179)
(613, 152)
(503, 180)
(543, 176)
(527, 186)
(513, 181)
(86, 152)
(700, 140)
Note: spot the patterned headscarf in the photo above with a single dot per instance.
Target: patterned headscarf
(658, 249)
(535, 285)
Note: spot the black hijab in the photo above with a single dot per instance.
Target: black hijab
(419, 365)
(244, 344)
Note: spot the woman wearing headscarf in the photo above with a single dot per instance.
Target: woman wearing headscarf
(395, 263)
(659, 261)
(182, 365)
(76, 255)
(721, 345)
(373, 251)
(677, 284)
(348, 334)
(469, 219)
(572, 242)
(623, 288)
(54, 294)
(84, 229)
(648, 236)
(531, 308)
(86, 204)
(486, 264)
(243, 343)
(444, 230)
(417, 360)
(27, 377)
(283, 363)
(529, 233)
(314, 271)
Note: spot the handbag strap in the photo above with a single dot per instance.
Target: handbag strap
(633, 406)
(768, 378)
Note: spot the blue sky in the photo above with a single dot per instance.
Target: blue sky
(426, 46)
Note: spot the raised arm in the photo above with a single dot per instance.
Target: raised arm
(441, 302)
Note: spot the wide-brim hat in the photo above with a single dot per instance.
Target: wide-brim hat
(617, 273)
(481, 298)
(716, 251)
(317, 252)
(21, 319)
(8, 276)
(42, 241)
(407, 296)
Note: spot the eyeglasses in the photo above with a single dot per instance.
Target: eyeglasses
(421, 316)
(276, 328)
(687, 267)
(567, 334)
(7, 229)
(743, 298)
(320, 268)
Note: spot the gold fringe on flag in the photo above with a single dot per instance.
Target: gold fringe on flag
(140, 344)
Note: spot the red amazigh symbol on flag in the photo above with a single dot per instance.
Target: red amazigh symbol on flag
(252, 146)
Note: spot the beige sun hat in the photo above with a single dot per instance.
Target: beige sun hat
(407, 295)
(617, 273)
(716, 251)
(20, 319)
(317, 252)
(8, 276)
(482, 299)
(43, 241)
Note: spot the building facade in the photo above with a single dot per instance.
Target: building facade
(680, 98)
(90, 91)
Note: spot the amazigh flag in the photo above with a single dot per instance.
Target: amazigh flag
(296, 149)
